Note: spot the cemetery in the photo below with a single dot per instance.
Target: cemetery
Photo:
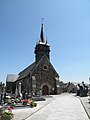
(11, 102)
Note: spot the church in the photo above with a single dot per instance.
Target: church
(40, 76)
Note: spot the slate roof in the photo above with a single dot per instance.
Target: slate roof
(32, 67)
(11, 78)
(26, 71)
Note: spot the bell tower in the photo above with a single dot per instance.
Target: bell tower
(42, 47)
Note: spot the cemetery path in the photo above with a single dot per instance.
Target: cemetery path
(63, 107)
(21, 113)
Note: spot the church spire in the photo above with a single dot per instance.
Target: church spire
(42, 34)
(42, 47)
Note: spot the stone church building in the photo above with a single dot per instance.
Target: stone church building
(40, 76)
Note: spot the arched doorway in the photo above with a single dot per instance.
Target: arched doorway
(45, 90)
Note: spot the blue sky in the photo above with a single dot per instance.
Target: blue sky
(66, 25)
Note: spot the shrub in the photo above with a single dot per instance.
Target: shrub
(32, 103)
(7, 115)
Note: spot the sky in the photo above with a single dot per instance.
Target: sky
(66, 26)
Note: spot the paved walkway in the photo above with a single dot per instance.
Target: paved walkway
(61, 107)
(24, 112)
(86, 104)
(64, 107)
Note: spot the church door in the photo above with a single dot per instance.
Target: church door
(45, 90)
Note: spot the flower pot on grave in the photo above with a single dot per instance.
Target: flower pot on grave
(25, 102)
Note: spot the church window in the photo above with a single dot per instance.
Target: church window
(45, 67)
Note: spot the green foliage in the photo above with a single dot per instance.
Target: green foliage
(32, 103)
(35, 104)
(6, 115)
